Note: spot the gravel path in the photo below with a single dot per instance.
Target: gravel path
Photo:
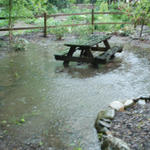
(133, 126)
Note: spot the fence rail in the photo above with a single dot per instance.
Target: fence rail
(57, 15)
(46, 16)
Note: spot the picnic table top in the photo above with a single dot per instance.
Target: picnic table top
(88, 41)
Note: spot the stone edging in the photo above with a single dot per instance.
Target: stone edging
(103, 124)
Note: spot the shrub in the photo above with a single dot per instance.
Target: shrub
(19, 44)
(59, 31)
(139, 13)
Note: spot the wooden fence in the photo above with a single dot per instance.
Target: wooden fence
(46, 16)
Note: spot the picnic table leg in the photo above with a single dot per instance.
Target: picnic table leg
(106, 44)
(108, 47)
(86, 53)
(89, 54)
(82, 53)
(70, 53)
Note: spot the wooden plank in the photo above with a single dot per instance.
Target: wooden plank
(102, 59)
(113, 13)
(74, 59)
(21, 17)
(30, 28)
(45, 25)
(10, 20)
(69, 25)
(70, 53)
(92, 49)
(3, 18)
(88, 41)
(61, 14)
(109, 54)
(97, 23)
(85, 13)
(92, 21)
(98, 49)
(106, 44)
(23, 28)
(80, 59)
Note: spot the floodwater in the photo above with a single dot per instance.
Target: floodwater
(46, 106)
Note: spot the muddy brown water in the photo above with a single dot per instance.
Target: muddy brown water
(59, 105)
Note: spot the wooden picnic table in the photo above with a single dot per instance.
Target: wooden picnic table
(87, 45)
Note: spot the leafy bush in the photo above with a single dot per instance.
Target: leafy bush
(81, 30)
(139, 13)
(58, 3)
(3, 23)
(59, 31)
(19, 44)
(3, 43)
(104, 7)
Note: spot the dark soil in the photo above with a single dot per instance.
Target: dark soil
(133, 126)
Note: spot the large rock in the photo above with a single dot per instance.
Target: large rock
(128, 103)
(106, 114)
(104, 124)
(141, 102)
(104, 118)
(112, 143)
(117, 105)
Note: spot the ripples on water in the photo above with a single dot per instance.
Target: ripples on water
(60, 105)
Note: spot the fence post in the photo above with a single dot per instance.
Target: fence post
(92, 20)
(45, 25)
(10, 20)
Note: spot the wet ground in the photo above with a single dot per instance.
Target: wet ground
(46, 106)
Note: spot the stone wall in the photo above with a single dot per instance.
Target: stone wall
(104, 120)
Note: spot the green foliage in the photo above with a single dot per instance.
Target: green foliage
(25, 7)
(139, 12)
(78, 18)
(58, 3)
(37, 6)
(78, 148)
(73, 9)
(81, 30)
(114, 6)
(4, 122)
(59, 31)
(19, 121)
(104, 7)
(51, 9)
(19, 45)
(100, 136)
(3, 43)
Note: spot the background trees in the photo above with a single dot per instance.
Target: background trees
(137, 11)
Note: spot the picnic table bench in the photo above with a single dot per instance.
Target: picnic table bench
(87, 46)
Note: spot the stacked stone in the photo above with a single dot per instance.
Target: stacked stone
(104, 120)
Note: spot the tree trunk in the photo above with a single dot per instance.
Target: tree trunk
(10, 20)
(142, 28)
